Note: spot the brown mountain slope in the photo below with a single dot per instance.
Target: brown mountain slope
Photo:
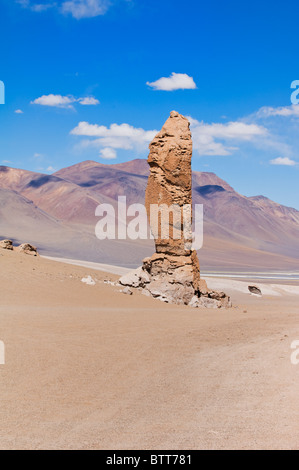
(253, 222)
(239, 232)
(110, 180)
(59, 198)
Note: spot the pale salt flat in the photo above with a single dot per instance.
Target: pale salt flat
(216, 283)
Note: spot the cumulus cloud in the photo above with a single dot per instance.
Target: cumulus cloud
(89, 101)
(59, 101)
(220, 139)
(108, 153)
(176, 81)
(19, 111)
(116, 136)
(56, 101)
(284, 161)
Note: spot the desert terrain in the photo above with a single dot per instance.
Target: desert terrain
(88, 367)
(57, 213)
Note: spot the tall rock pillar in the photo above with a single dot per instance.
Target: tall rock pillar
(172, 274)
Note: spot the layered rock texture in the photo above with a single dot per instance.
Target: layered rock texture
(172, 274)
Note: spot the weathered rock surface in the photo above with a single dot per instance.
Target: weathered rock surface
(172, 274)
(27, 249)
(6, 244)
(170, 183)
(127, 291)
(255, 290)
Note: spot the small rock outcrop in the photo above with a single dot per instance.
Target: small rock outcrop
(6, 244)
(27, 249)
(172, 274)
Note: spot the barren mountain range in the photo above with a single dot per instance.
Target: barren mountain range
(57, 213)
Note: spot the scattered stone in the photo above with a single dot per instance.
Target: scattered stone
(217, 295)
(27, 249)
(255, 290)
(6, 244)
(89, 281)
(136, 278)
(108, 281)
(127, 291)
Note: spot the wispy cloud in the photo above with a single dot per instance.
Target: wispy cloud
(85, 8)
(283, 161)
(282, 124)
(67, 102)
(51, 169)
(76, 8)
(19, 111)
(176, 81)
(221, 139)
(38, 7)
(285, 111)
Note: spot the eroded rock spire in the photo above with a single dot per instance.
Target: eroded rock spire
(172, 274)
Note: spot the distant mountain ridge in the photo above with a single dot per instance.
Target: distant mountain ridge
(239, 232)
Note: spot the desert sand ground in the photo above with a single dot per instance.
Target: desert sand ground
(88, 367)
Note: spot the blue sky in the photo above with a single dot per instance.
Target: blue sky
(84, 80)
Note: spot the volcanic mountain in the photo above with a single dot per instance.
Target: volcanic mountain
(57, 213)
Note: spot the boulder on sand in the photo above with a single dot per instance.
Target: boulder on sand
(6, 244)
(27, 249)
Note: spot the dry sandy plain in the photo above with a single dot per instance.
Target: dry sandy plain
(88, 367)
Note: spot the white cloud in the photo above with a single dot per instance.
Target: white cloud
(177, 81)
(208, 139)
(57, 101)
(89, 101)
(38, 155)
(50, 169)
(121, 136)
(85, 8)
(284, 161)
(108, 153)
(76, 8)
(19, 111)
(220, 139)
(285, 111)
